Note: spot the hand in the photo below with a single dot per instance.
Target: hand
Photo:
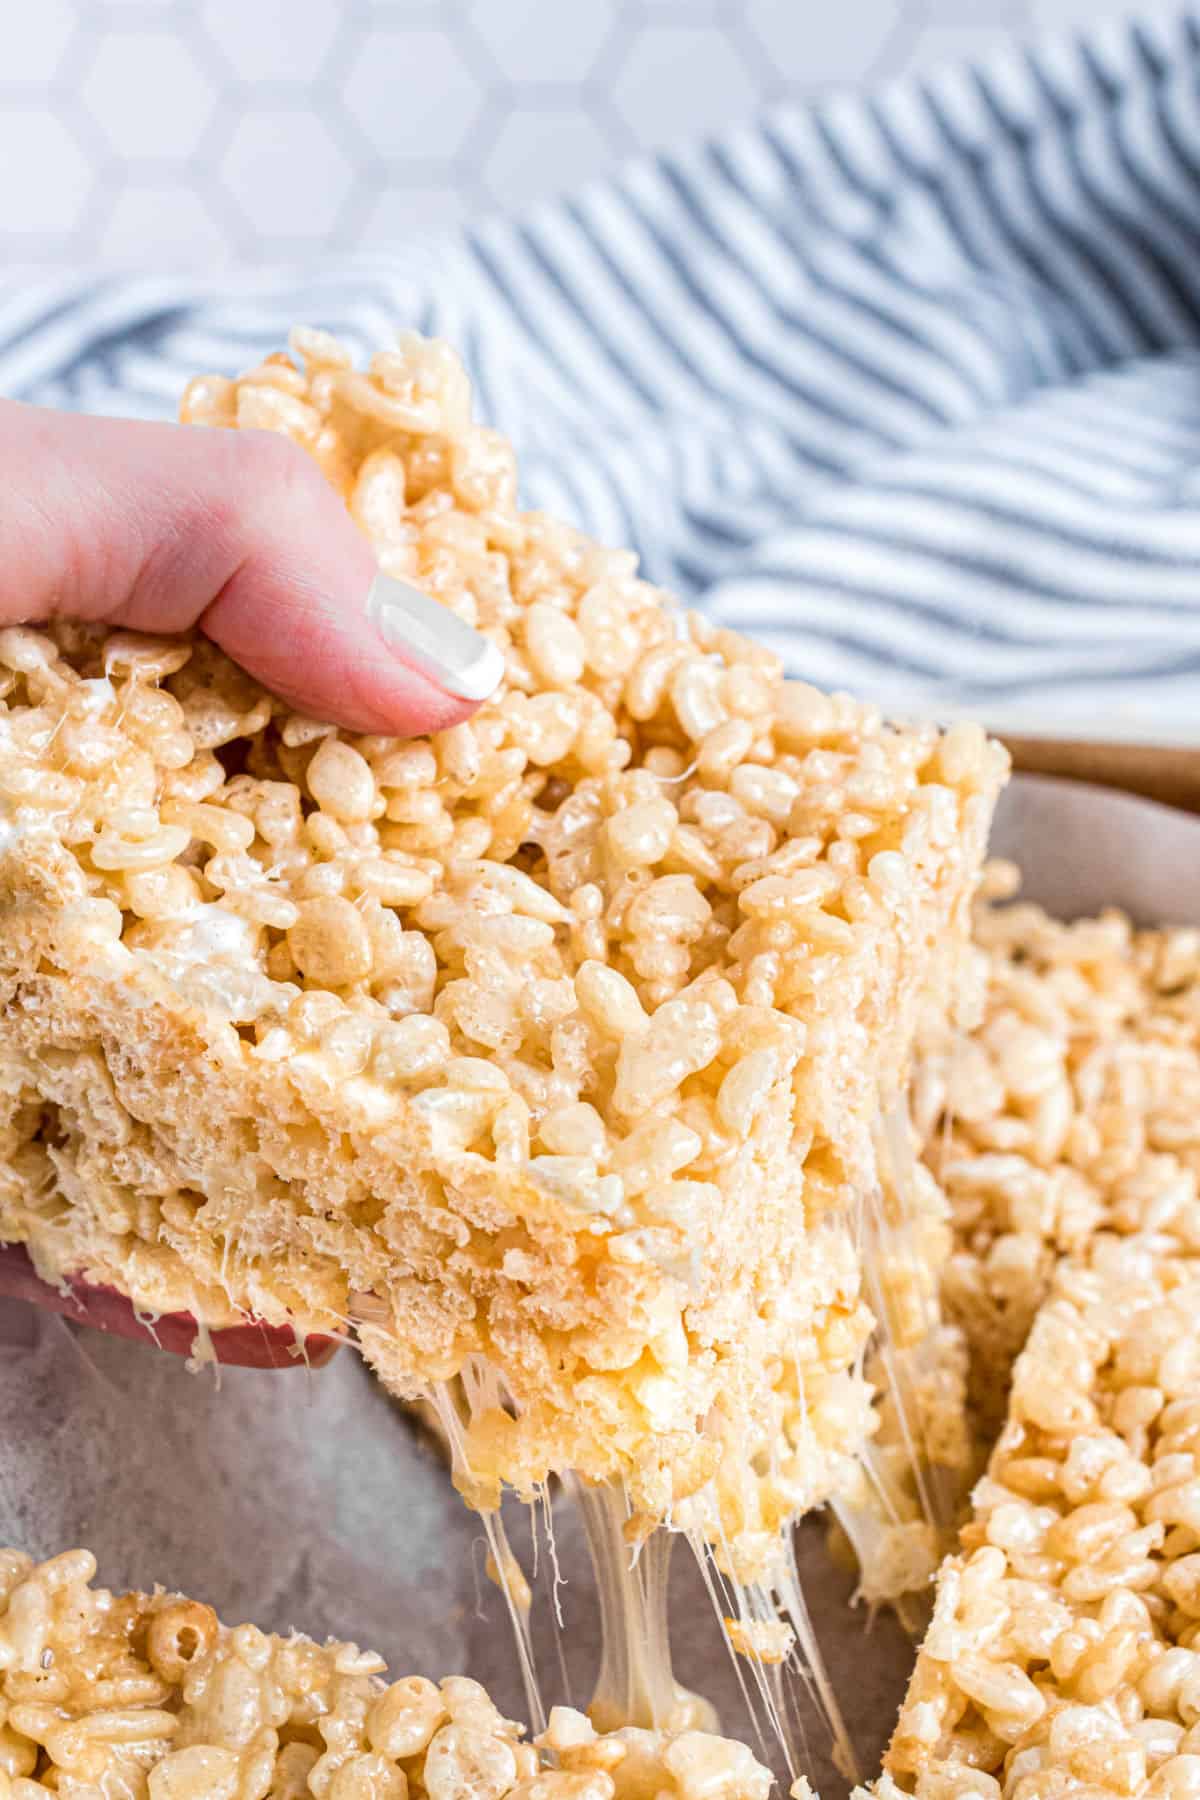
(162, 527)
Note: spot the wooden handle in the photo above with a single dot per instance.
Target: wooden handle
(1171, 776)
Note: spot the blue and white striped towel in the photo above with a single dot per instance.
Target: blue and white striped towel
(908, 385)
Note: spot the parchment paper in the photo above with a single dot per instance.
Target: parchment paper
(309, 1501)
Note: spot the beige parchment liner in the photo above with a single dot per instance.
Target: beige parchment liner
(308, 1500)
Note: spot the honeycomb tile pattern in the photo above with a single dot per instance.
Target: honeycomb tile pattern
(201, 133)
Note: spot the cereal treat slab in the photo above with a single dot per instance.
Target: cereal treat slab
(1073, 1107)
(149, 1697)
(1064, 1654)
(546, 1051)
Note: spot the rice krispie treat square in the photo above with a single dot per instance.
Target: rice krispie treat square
(1072, 1109)
(546, 1052)
(1062, 1656)
(149, 1694)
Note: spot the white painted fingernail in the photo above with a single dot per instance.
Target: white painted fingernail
(434, 640)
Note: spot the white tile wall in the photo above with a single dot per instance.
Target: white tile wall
(199, 132)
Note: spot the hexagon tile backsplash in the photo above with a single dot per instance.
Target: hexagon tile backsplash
(196, 133)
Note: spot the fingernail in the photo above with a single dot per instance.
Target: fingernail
(434, 640)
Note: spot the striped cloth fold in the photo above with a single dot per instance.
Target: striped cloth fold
(906, 384)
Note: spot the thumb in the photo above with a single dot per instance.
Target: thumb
(162, 527)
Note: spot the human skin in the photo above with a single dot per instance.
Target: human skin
(166, 527)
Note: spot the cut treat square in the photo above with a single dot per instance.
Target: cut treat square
(546, 1052)
(150, 1694)
(1062, 1657)
(1072, 1108)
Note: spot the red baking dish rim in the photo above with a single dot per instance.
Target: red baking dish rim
(252, 1345)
